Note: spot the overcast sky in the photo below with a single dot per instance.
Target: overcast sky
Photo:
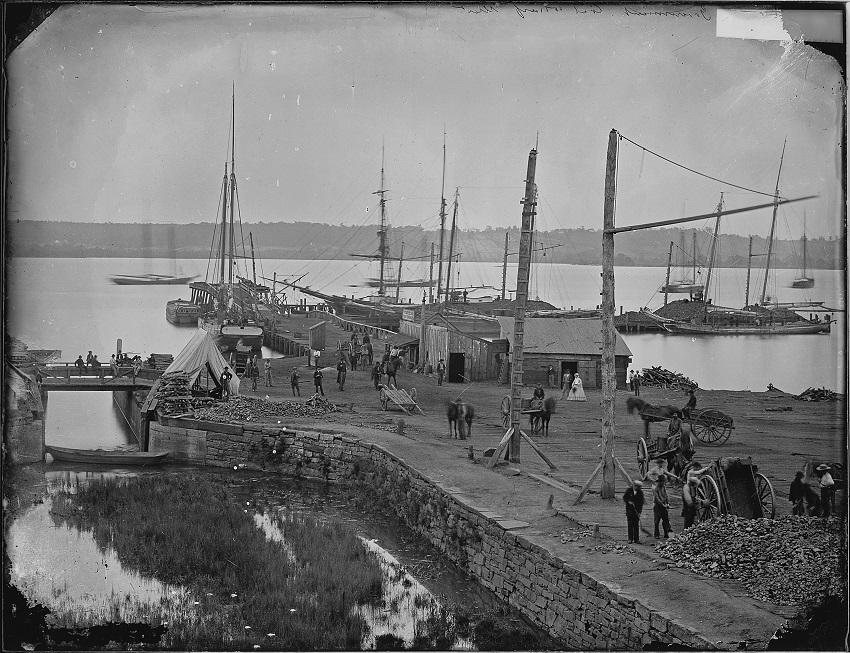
(122, 114)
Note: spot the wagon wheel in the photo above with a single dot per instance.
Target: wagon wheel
(712, 427)
(506, 411)
(708, 499)
(764, 492)
(642, 457)
(385, 400)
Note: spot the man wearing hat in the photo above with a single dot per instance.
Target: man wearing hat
(827, 489)
(441, 372)
(633, 498)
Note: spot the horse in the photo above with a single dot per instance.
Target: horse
(648, 412)
(540, 420)
(460, 415)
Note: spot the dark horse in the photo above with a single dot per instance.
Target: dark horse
(460, 416)
(649, 413)
(540, 419)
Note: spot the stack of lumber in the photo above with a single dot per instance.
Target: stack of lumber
(787, 561)
(657, 376)
(819, 394)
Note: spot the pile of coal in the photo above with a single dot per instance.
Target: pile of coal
(174, 395)
(786, 561)
(254, 409)
(657, 376)
(819, 394)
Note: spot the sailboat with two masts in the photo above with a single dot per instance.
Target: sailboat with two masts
(708, 319)
(227, 301)
(804, 280)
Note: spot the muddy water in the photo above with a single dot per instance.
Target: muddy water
(426, 602)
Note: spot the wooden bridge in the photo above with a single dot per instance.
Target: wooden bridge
(67, 377)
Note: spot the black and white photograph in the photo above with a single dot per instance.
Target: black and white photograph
(425, 326)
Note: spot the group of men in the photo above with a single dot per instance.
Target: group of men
(121, 359)
(805, 500)
(634, 382)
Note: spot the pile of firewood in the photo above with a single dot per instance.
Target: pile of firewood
(819, 394)
(657, 376)
(786, 561)
(254, 409)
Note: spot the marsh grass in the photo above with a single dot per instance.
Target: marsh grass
(185, 531)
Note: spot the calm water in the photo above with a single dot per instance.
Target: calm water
(63, 568)
(70, 304)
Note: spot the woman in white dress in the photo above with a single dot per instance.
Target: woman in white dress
(576, 392)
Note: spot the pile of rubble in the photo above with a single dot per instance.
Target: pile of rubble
(786, 561)
(254, 409)
(657, 376)
(819, 394)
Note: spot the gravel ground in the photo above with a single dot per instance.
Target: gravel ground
(787, 561)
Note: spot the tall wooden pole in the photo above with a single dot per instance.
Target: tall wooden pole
(529, 204)
(422, 351)
(694, 261)
(431, 277)
(609, 335)
(442, 222)
(749, 266)
(713, 252)
(505, 267)
(382, 233)
(667, 280)
(451, 248)
(253, 261)
(772, 226)
(232, 187)
(398, 281)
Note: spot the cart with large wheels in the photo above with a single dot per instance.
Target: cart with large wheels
(709, 426)
(729, 486)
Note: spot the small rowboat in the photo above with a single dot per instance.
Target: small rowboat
(106, 457)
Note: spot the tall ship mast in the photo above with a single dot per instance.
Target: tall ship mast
(225, 303)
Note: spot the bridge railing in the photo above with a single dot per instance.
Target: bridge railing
(67, 371)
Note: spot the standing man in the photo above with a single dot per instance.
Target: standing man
(89, 359)
(636, 384)
(632, 380)
(224, 382)
(633, 498)
(341, 373)
(317, 381)
(376, 375)
(568, 384)
(392, 368)
(268, 368)
(797, 495)
(255, 375)
(661, 506)
(692, 403)
(293, 381)
(113, 364)
(827, 490)
(441, 372)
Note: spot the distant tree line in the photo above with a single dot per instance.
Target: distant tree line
(311, 240)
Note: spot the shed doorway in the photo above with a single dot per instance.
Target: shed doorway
(457, 365)
(567, 368)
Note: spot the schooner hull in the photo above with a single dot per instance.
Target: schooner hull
(765, 330)
(803, 282)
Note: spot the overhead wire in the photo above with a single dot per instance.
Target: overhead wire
(684, 167)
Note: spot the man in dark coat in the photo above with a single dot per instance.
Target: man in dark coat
(636, 385)
(692, 403)
(661, 506)
(633, 498)
(797, 495)
(224, 382)
(376, 375)
(293, 381)
(441, 372)
(80, 365)
(341, 373)
(317, 381)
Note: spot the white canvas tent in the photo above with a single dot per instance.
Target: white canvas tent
(199, 352)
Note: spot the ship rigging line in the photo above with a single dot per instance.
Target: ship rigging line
(696, 172)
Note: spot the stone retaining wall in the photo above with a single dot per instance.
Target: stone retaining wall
(568, 604)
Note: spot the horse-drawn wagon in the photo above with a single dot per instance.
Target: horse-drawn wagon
(539, 412)
(710, 426)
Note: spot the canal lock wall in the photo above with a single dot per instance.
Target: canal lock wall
(568, 604)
